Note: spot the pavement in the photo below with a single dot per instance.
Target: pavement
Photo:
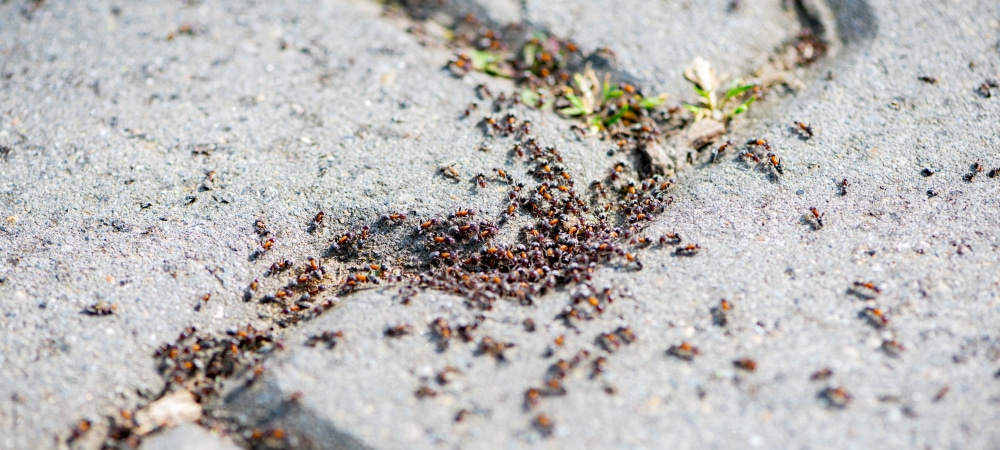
(117, 114)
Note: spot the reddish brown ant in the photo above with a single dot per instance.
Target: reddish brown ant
(836, 397)
(399, 330)
(815, 218)
(101, 308)
(746, 364)
(868, 285)
(688, 250)
(821, 374)
(892, 347)
(544, 425)
(684, 351)
(425, 391)
(803, 128)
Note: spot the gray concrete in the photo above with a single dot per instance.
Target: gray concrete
(354, 117)
(187, 436)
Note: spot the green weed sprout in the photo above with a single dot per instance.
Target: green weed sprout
(734, 101)
(600, 105)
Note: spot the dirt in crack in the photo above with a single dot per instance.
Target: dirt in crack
(553, 234)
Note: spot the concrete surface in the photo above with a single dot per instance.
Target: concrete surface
(327, 105)
(187, 436)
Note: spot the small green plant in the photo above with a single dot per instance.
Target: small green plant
(734, 101)
(600, 105)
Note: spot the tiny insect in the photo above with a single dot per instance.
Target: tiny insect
(940, 394)
(816, 218)
(928, 79)
(399, 330)
(722, 148)
(319, 217)
(330, 338)
(447, 375)
(450, 172)
(892, 347)
(875, 316)
(843, 186)
(993, 173)
(776, 163)
(821, 374)
(442, 331)
(868, 285)
(544, 425)
(670, 238)
(684, 351)
(746, 364)
(687, 250)
(836, 397)
(101, 308)
(722, 313)
(803, 128)
(425, 391)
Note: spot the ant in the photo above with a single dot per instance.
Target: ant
(489, 346)
(395, 217)
(450, 172)
(836, 397)
(892, 347)
(670, 238)
(684, 351)
(425, 391)
(101, 308)
(815, 218)
(722, 148)
(721, 313)
(759, 142)
(746, 364)
(843, 186)
(928, 79)
(469, 109)
(544, 425)
(821, 374)
(688, 250)
(776, 163)
(399, 330)
(993, 173)
(868, 285)
(875, 316)
(805, 130)
(330, 338)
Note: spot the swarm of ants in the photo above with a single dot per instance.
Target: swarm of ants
(572, 229)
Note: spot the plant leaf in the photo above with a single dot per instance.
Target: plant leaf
(530, 50)
(529, 97)
(743, 107)
(737, 90)
(652, 102)
(481, 59)
(697, 110)
(701, 92)
(618, 116)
